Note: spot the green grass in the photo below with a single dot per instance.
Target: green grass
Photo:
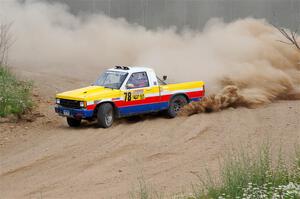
(15, 95)
(145, 191)
(251, 175)
(246, 175)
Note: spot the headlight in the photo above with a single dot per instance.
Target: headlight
(57, 101)
(82, 104)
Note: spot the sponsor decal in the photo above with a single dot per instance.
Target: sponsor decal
(134, 95)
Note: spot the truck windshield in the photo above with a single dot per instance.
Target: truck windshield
(111, 79)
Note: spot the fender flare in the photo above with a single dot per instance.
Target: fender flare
(177, 94)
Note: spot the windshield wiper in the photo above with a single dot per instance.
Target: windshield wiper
(108, 87)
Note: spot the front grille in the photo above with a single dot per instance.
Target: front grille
(70, 103)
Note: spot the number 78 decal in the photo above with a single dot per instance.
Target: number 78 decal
(135, 95)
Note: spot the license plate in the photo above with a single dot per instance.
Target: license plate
(66, 113)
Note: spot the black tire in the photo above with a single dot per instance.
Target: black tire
(176, 103)
(72, 122)
(105, 115)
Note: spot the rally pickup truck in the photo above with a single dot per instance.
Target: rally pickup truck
(125, 91)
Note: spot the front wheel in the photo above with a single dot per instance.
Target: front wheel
(72, 122)
(105, 115)
(176, 104)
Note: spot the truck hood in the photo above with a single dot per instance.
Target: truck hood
(88, 93)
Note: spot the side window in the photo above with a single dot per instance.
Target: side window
(138, 80)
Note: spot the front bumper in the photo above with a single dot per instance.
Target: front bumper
(75, 113)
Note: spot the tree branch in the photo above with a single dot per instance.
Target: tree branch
(5, 42)
(289, 36)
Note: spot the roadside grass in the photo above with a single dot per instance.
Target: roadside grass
(251, 176)
(15, 95)
(246, 175)
(145, 191)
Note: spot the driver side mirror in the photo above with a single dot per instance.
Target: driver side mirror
(129, 86)
(165, 77)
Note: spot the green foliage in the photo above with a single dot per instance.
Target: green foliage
(15, 95)
(252, 176)
(146, 191)
(296, 166)
(245, 175)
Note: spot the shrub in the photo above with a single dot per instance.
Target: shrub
(15, 95)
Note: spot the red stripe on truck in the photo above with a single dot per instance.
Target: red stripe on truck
(156, 99)
(150, 100)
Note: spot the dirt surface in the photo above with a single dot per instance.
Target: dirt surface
(47, 159)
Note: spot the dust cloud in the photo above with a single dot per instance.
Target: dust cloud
(242, 62)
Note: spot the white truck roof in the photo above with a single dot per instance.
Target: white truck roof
(131, 69)
(150, 73)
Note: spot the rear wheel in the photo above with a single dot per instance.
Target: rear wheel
(105, 115)
(176, 104)
(72, 122)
